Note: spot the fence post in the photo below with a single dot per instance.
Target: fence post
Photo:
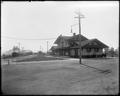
(8, 62)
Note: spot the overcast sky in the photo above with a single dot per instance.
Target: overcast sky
(46, 20)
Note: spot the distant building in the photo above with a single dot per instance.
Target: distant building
(26, 52)
(8, 53)
(69, 46)
(15, 50)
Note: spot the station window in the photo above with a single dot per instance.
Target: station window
(96, 49)
(88, 49)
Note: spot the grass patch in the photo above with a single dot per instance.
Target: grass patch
(40, 58)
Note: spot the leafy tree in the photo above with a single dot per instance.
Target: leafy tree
(112, 52)
(116, 52)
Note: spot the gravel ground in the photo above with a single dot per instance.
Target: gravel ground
(61, 77)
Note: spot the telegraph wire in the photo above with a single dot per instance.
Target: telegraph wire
(26, 39)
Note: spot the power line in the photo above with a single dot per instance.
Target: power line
(26, 39)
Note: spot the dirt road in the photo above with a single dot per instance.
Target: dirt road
(60, 77)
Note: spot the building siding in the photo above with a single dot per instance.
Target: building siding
(72, 52)
(84, 52)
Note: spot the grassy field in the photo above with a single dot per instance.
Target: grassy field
(61, 77)
(39, 58)
(29, 58)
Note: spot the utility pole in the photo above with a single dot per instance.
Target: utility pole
(40, 47)
(22, 48)
(80, 52)
(62, 47)
(19, 46)
(47, 46)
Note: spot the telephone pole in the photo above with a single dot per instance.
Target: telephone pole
(19, 46)
(40, 47)
(80, 52)
(47, 47)
(62, 47)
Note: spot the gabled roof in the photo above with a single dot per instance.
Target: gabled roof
(62, 37)
(100, 44)
(53, 47)
(75, 38)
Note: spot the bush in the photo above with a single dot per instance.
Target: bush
(6, 56)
